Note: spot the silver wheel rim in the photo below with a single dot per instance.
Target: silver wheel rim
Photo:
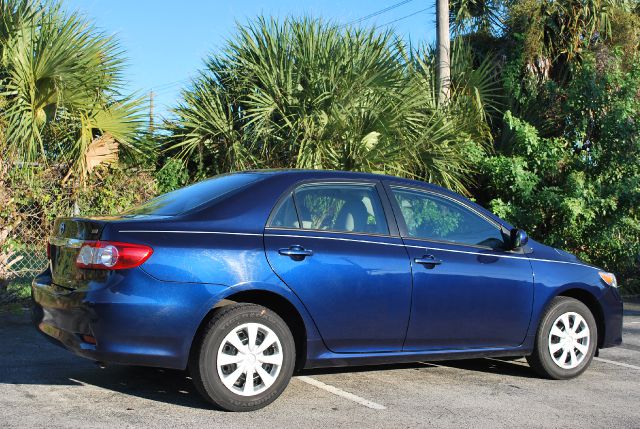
(249, 359)
(569, 340)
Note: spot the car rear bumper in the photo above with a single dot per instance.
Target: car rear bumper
(612, 308)
(133, 319)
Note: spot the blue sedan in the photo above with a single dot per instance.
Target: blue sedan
(246, 277)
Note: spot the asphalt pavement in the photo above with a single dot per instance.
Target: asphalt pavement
(42, 386)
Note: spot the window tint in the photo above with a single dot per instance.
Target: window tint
(436, 218)
(333, 207)
(286, 216)
(185, 199)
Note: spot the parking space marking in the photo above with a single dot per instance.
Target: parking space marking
(341, 393)
(613, 362)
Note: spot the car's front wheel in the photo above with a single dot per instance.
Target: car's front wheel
(244, 359)
(566, 340)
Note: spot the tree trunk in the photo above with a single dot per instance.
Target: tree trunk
(443, 51)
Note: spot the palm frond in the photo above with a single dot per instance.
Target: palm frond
(304, 93)
(59, 67)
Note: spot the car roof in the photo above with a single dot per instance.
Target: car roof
(300, 174)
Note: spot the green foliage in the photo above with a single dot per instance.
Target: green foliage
(550, 28)
(306, 94)
(59, 73)
(119, 189)
(20, 289)
(477, 16)
(542, 126)
(581, 190)
(171, 176)
(422, 214)
(41, 194)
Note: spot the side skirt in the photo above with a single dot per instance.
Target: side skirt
(328, 359)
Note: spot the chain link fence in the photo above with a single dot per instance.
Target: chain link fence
(29, 233)
(33, 196)
(26, 220)
(29, 241)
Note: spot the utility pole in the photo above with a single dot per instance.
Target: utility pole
(443, 51)
(151, 124)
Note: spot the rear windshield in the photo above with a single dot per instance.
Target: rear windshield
(183, 200)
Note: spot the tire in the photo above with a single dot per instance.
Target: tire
(224, 383)
(574, 349)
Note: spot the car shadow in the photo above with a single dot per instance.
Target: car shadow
(506, 366)
(176, 387)
(27, 358)
(156, 384)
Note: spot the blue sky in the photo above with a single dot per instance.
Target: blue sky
(166, 41)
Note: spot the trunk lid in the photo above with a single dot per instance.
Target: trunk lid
(64, 245)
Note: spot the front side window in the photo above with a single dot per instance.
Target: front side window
(335, 207)
(431, 217)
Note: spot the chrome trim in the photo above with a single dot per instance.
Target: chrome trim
(449, 243)
(73, 243)
(330, 231)
(41, 285)
(499, 256)
(359, 241)
(337, 239)
(191, 232)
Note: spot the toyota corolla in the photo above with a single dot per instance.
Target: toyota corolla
(244, 278)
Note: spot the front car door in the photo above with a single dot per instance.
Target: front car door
(468, 291)
(332, 245)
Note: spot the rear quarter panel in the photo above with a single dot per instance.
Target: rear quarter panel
(215, 252)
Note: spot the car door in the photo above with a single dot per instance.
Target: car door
(332, 245)
(468, 291)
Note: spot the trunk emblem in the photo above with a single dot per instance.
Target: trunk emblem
(62, 228)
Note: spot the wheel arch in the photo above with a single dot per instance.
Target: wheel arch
(274, 302)
(592, 303)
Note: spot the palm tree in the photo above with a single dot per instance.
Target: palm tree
(58, 70)
(479, 16)
(307, 94)
(443, 50)
(553, 29)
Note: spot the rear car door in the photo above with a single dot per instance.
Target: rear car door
(330, 242)
(468, 291)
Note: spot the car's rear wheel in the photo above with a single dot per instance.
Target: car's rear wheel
(244, 359)
(566, 340)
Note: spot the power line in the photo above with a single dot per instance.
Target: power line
(168, 90)
(376, 13)
(170, 84)
(404, 17)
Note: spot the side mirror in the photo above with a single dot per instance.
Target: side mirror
(518, 238)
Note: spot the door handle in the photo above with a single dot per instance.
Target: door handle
(295, 252)
(429, 261)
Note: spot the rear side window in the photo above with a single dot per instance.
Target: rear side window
(340, 207)
(286, 216)
(186, 199)
(431, 217)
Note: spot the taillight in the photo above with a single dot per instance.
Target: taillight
(112, 255)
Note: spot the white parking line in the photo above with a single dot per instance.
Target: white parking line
(341, 393)
(613, 362)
